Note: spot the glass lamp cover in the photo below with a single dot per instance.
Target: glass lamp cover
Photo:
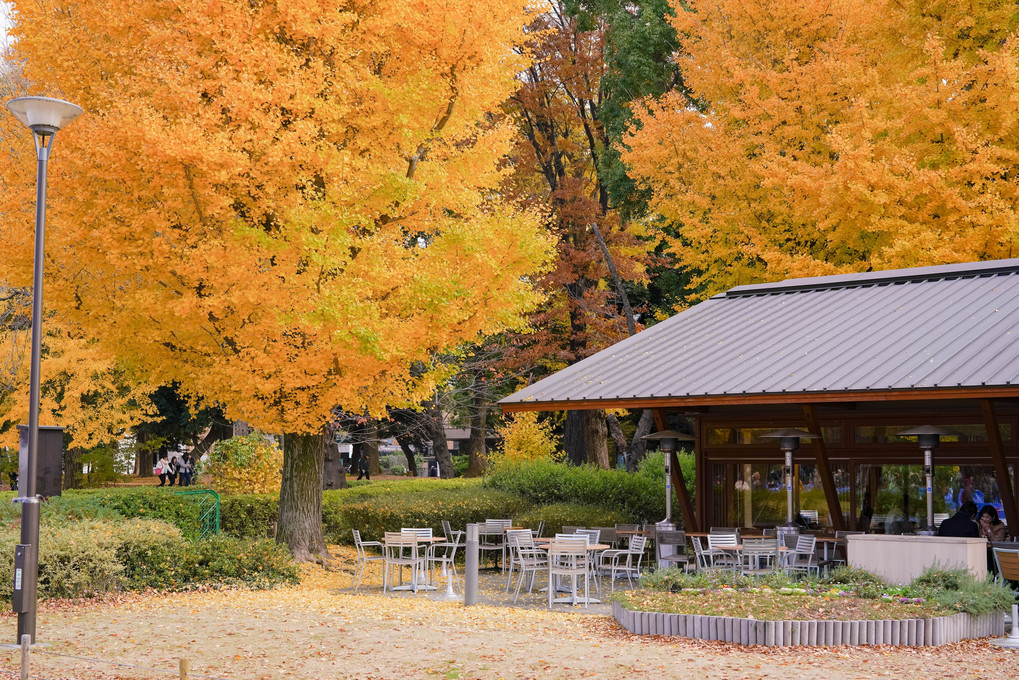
(44, 111)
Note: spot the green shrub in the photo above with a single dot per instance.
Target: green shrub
(143, 503)
(249, 515)
(558, 515)
(958, 590)
(412, 503)
(637, 497)
(846, 575)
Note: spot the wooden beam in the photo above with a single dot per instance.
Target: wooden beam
(690, 522)
(1008, 499)
(931, 393)
(824, 469)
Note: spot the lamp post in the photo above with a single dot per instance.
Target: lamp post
(44, 116)
(668, 440)
(789, 441)
(929, 437)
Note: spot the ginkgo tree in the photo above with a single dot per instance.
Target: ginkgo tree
(281, 206)
(814, 137)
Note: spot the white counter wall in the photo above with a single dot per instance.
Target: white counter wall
(900, 559)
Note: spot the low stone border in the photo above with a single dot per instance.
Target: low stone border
(942, 630)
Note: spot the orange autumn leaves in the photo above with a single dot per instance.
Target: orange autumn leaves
(282, 206)
(819, 137)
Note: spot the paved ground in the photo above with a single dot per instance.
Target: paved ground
(321, 630)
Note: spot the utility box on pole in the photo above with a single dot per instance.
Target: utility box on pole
(50, 459)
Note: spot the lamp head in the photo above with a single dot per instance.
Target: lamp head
(928, 436)
(669, 438)
(43, 115)
(789, 438)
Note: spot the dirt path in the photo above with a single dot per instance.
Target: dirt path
(318, 631)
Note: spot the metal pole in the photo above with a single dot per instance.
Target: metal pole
(27, 486)
(929, 471)
(788, 486)
(668, 486)
(471, 566)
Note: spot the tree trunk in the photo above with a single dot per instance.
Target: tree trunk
(371, 437)
(408, 451)
(334, 475)
(300, 517)
(596, 439)
(72, 468)
(440, 447)
(217, 430)
(573, 438)
(638, 445)
(476, 444)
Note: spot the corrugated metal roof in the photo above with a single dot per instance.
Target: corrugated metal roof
(929, 328)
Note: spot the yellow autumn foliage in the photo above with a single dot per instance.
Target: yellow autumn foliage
(525, 438)
(250, 464)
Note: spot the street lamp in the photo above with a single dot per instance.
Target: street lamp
(667, 441)
(928, 436)
(43, 116)
(789, 441)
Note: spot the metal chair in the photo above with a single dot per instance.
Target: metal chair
(401, 550)
(515, 538)
(630, 568)
(567, 557)
(671, 548)
(803, 557)
(492, 537)
(451, 536)
(536, 533)
(759, 556)
(607, 535)
(1006, 559)
(363, 558)
(529, 560)
(722, 550)
(445, 554)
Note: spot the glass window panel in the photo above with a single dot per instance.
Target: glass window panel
(730, 436)
(886, 434)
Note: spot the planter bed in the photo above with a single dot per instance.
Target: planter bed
(927, 632)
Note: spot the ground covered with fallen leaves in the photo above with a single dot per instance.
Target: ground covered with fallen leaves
(321, 630)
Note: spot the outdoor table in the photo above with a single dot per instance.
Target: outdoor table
(422, 575)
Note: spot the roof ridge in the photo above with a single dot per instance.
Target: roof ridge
(914, 274)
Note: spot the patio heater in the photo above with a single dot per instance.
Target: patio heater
(789, 441)
(667, 440)
(929, 436)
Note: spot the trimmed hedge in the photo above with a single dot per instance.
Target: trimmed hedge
(89, 558)
(558, 515)
(638, 497)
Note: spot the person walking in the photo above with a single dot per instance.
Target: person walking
(364, 467)
(185, 470)
(161, 469)
(171, 470)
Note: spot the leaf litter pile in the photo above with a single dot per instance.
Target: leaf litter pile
(321, 630)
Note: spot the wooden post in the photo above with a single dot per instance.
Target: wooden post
(1008, 500)
(831, 494)
(185, 666)
(26, 643)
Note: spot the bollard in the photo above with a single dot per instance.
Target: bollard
(26, 642)
(185, 666)
(471, 566)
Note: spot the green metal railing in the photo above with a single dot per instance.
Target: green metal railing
(208, 515)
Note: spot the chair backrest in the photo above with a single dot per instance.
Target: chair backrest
(447, 531)
(627, 527)
(769, 533)
(420, 533)
(637, 544)
(504, 523)
(843, 534)
(536, 533)
(573, 537)
(519, 538)
(760, 546)
(718, 540)
(400, 545)
(593, 535)
(788, 539)
(571, 530)
(698, 548)
(806, 544)
(569, 551)
(1007, 560)
(809, 515)
(357, 543)
(669, 537)
(607, 534)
